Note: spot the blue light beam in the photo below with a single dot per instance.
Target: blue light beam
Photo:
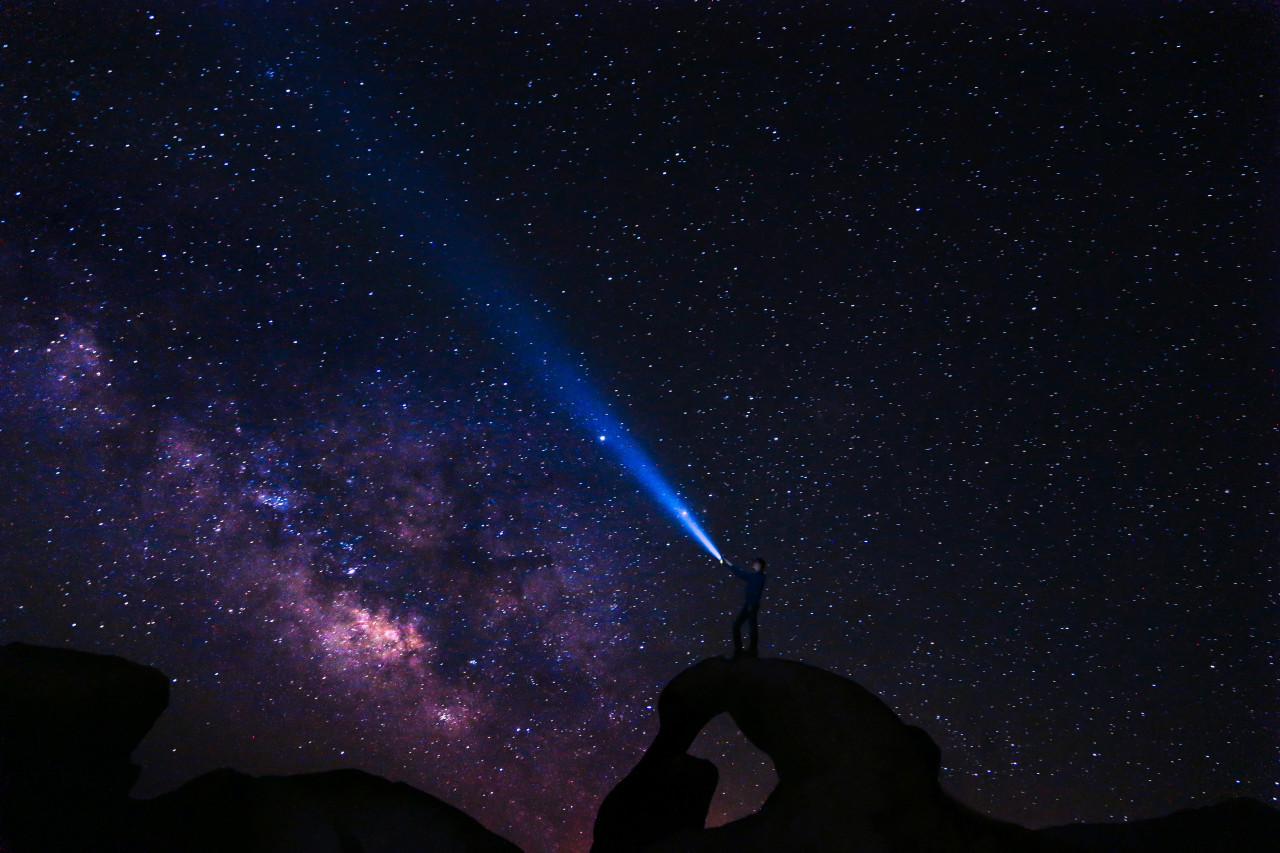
(643, 469)
(384, 165)
(530, 337)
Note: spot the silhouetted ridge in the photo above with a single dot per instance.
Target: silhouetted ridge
(851, 777)
(70, 720)
(1241, 825)
(339, 810)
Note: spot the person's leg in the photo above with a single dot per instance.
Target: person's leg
(737, 630)
(754, 626)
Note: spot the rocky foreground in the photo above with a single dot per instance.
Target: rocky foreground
(851, 777)
(68, 724)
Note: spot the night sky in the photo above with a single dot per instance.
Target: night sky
(962, 316)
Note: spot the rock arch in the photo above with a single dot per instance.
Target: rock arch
(851, 775)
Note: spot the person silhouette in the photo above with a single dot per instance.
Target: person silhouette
(751, 606)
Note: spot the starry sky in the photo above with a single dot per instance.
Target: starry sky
(962, 315)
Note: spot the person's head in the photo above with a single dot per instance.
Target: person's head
(758, 564)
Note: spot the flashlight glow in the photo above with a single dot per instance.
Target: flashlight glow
(635, 461)
(572, 389)
(524, 327)
(414, 197)
(687, 520)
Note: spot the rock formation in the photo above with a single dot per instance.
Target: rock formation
(851, 775)
(69, 722)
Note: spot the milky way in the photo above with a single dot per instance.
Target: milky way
(412, 564)
(960, 317)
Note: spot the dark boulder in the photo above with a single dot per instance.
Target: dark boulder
(69, 722)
